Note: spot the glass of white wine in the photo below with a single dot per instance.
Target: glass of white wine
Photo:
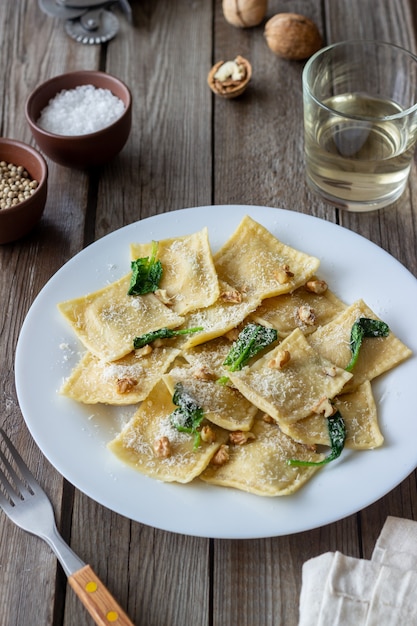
(360, 122)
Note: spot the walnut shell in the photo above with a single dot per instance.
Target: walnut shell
(244, 13)
(292, 36)
(230, 88)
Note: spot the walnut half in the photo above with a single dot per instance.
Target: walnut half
(222, 455)
(281, 358)
(239, 437)
(229, 79)
(324, 407)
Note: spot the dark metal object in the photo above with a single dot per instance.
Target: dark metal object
(94, 27)
(87, 21)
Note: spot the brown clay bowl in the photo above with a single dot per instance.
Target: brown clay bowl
(18, 220)
(80, 151)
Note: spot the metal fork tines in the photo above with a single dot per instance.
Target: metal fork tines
(28, 506)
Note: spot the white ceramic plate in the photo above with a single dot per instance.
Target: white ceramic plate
(73, 437)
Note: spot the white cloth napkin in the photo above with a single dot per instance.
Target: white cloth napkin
(346, 591)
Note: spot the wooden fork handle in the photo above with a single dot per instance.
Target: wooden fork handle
(98, 601)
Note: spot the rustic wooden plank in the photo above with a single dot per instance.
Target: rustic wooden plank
(394, 23)
(259, 136)
(171, 107)
(141, 566)
(394, 227)
(145, 179)
(256, 143)
(24, 268)
(236, 601)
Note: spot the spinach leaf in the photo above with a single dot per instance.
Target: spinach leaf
(337, 434)
(251, 340)
(188, 415)
(162, 333)
(364, 327)
(146, 274)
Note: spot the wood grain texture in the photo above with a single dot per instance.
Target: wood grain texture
(187, 148)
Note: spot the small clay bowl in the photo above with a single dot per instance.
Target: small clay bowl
(18, 220)
(80, 151)
(227, 90)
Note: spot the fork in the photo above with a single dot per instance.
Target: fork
(28, 506)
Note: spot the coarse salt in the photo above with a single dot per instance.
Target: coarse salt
(80, 111)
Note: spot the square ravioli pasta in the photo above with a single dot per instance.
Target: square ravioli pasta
(151, 444)
(128, 380)
(256, 263)
(106, 321)
(221, 339)
(293, 389)
(306, 308)
(360, 417)
(189, 279)
(260, 466)
(222, 405)
(377, 354)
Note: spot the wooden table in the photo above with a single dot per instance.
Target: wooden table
(187, 148)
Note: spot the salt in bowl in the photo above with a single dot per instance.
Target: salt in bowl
(18, 220)
(82, 150)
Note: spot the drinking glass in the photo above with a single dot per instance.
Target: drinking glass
(360, 122)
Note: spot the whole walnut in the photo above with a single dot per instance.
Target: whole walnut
(244, 13)
(292, 36)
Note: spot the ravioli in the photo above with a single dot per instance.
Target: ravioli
(106, 321)
(224, 315)
(126, 381)
(377, 354)
(209, 356)
(256, 263)
(136, 443)
(302, 309)
(295, 390)
(261, 467)
(221, 404)
(295, 382)
(359, 414)
(189, 277)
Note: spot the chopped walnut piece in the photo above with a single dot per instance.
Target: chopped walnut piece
(306, 315)
(268, 419)
(202, 372)
(316, 286)
(207, 434)
(331, 370)
(282, 358)
(325, 407)
(143, 351)
(162, 296)
(232, 295)
(125, 385)
(222, 455)
(162, 448)
(283, 274)
(239, 437)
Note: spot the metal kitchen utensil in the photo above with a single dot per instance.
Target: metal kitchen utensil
(93, 27)
(88, 21)
(55, 9)
(27, 505)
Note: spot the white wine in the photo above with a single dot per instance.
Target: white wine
(356, 156)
